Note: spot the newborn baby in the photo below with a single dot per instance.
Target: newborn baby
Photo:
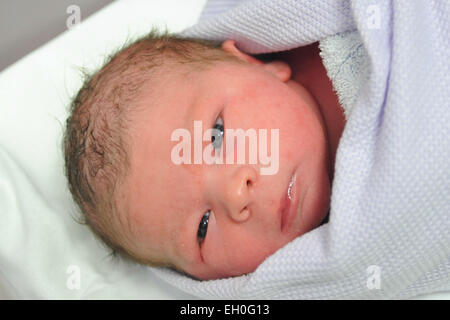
(206, 220)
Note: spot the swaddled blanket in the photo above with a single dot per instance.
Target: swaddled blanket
(388, 234)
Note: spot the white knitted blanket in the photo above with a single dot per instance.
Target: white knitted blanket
(388, 235)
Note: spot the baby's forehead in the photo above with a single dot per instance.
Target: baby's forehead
(167, 100)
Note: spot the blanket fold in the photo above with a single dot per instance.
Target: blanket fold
(388, 234)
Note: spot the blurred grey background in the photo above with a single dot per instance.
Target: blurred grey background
(27, 24)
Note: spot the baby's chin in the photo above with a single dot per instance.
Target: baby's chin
(238, 268)
(206, 275)
(243, 269)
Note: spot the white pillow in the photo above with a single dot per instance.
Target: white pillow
(44, 253)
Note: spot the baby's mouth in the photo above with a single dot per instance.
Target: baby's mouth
(291, 183)
(289, 203)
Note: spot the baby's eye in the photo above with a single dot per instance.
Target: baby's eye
(217, 133)
(203, 227)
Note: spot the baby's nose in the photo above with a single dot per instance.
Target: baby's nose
(239, 193)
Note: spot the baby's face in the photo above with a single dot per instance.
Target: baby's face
(249, 219)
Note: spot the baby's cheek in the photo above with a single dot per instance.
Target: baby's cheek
(213, 249)
(230, 251)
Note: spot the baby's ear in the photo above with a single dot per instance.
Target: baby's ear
(278, 68)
